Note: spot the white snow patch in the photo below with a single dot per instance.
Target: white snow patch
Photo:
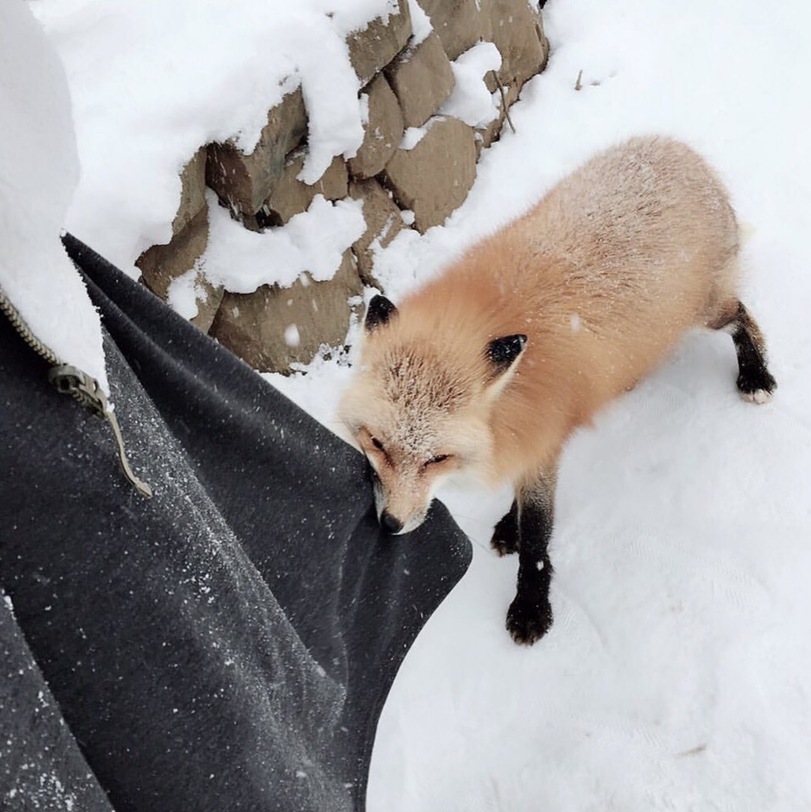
(420, 24)
(184, 293)
(291, 335)
(313, 241)
(471, 101)
(412, 136)
(364, 109)
(356, 15)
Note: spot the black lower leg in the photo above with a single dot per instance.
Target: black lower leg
(530, 614)
(755, 382)
(505, 534)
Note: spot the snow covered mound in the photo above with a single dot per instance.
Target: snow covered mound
(38, 174)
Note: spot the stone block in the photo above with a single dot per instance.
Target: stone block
(459, 24)
(290, 196)
(421, 78)
(192, 191)
(383, 223)
(517, 31)
(244, 182)
(274, 327)
(383, 131)
(433, 178)
(160, 264)
(373, 47)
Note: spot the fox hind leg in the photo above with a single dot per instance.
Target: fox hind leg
(755, 383)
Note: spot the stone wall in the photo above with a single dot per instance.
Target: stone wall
(406, 84)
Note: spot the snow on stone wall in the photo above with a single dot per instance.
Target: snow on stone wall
(425, 119)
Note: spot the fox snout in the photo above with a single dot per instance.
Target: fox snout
(389, 523)
(396, 526)
(396, 513)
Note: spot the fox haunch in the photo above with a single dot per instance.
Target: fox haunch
(489, 368)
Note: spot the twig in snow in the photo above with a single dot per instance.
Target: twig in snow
(504, 102)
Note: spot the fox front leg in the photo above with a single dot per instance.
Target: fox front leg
(505, 533)
(530, 614)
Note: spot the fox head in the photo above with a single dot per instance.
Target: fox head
(419, 407)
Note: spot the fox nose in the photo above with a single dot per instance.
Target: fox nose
(390, 523)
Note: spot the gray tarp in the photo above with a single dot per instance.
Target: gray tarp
(225, 645)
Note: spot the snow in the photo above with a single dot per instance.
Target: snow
(312, 241)
(184, 293)
(38, 173)
(471, 101)
(675, 676)
(291, 335)
(420, 23)
(150, 88)
(413, 135)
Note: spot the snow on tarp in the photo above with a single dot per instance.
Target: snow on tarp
(227, 644)
(38, 173)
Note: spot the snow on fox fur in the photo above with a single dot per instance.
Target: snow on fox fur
(489, 368)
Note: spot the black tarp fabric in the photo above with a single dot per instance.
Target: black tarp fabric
(225, 645)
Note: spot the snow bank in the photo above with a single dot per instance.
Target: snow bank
(38, 175)
(152, 85)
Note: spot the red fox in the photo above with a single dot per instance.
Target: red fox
(490, 367)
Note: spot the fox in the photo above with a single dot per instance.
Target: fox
(487, 369)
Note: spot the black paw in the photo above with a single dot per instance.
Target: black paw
(528, 621)
(757, 386)
(504, 546)
(505, 536)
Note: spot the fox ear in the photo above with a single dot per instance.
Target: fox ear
(379, 312)
(503, 354)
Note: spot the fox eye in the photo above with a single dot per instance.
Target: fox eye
(437, 458)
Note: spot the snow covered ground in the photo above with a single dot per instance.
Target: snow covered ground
(677, 675)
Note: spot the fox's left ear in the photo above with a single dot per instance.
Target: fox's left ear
(379, 312)
(502, 355)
